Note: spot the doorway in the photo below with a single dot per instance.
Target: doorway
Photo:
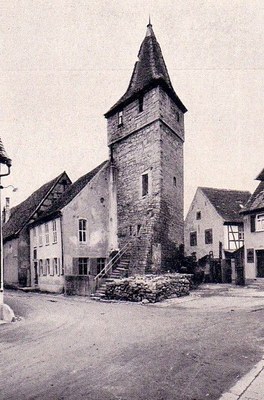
(260, 263)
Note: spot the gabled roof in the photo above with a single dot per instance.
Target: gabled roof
(228, 203)
(69, 194)
(150, 70)
(256, 201)
(260, 176)
(21, 214)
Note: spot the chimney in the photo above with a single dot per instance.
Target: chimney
(6, 210)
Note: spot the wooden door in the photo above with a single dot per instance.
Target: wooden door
(260, 263)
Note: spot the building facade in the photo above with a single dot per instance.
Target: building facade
(254, 233)
(214, 226)
(16, 234)
(69, 242)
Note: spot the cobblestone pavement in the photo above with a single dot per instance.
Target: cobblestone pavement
(191, 348)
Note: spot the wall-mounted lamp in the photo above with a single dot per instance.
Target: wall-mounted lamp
(15, 189)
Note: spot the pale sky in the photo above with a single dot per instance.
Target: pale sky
(64, 63)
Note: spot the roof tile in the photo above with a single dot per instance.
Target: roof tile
(228, 203)
(20, 215)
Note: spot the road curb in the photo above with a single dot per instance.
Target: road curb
(244, 383)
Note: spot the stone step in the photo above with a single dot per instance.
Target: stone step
(257, 283)
(100, 293)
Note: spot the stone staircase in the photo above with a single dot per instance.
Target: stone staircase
(119, 271)
(257, 283)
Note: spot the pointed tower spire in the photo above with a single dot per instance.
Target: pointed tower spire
(149, 71)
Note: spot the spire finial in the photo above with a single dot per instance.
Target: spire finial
(149, 28)
(149, 23)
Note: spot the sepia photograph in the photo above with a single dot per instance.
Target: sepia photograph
(131, 200)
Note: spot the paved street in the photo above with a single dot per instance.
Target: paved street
(193, 348)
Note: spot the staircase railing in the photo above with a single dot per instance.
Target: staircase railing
(111, 263)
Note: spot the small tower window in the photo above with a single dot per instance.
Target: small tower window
(145, 185)
(140, 104)
(120, 118)
(178, 116)
(198, 215)
(174, 181)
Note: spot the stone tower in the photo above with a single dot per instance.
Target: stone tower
(145, 137)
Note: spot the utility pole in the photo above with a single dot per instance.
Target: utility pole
(5, 162)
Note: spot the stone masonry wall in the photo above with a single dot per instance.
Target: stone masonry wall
(171, 218)
(168, 113)
(132, 118)
(138, 215)
(146, 144)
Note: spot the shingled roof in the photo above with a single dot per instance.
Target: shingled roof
(228, 203)
(69, 194)
(150, 70)
(21, 214)
(256, 201)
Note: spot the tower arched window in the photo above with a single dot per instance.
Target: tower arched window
(120, 118)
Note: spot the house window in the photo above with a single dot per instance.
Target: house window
(260, 222)
(44, 267)
(193, 238)
(52, 268)
(208, 236)
(198, 215)
(140, 104)
(41, 267)
(47, 234)
(40, 235)
(55, 266)
(145, 185)
(47, 268)
(100, 264)
(120, 118)
(83, 266)
(252, 223)
(54, 231)
(82, 230)
(241, 233)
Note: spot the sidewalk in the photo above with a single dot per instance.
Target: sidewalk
(250, 387)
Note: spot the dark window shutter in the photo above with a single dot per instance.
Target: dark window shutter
(252, 223)
(75, 266)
